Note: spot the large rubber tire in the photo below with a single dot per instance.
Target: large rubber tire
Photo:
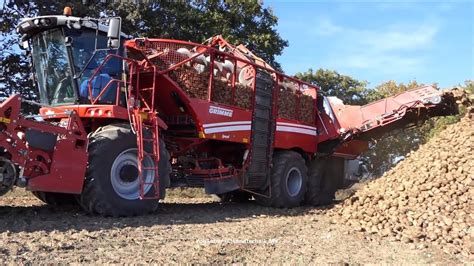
(285, 164)
(325, 177)
(99, 195)
(57, 199)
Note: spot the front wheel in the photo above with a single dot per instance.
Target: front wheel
(112, 185)
(287, 181)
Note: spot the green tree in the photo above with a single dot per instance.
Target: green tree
(390, 88)
(468, 86)
(346, 88)
(14, 67)
(15, 70)
(247, 22)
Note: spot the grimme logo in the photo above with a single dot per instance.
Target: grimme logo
(220, 111)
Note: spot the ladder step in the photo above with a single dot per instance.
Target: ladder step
(263, 132)
(262, 106)
(256, 174)
(261, 92)
(149, 168)
(263, 160)
(150, 154)
(260, 146)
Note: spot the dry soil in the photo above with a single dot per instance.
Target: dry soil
(196, 229)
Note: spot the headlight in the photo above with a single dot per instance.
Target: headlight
(45, 21)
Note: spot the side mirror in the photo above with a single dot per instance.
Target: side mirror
(113, 33)
(68, 41)
(24, 45)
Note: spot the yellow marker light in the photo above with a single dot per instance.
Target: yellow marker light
(67, 11)
(144, 115)
(5, 120)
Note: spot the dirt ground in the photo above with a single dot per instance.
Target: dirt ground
(187, 229)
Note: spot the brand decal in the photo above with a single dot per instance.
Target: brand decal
(220, 111)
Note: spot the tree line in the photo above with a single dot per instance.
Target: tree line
(239, 21)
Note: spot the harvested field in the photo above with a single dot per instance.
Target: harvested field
(419, 212)
(190, 227)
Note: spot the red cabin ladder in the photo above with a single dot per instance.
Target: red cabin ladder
(144, 121)
(146, 126)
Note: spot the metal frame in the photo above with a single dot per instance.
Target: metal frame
(53, 171)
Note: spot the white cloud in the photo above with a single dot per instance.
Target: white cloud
(325, 27)
(399, 39)
(390, 49)
(387, 63)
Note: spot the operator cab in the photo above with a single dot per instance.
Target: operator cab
(68, 56)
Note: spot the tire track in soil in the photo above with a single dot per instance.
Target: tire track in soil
(180, 231)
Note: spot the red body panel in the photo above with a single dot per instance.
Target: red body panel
(218, 121)
(65, 176)
(209, 126)
(382, 112)
(86, 111)
(351, 149)
(59, 170)
(235, 126)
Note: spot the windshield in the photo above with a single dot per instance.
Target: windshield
(83, 47)
(87, 60)
(52, 68)
(88, 50)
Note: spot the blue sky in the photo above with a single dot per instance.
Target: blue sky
(376, 41)
(427, 40)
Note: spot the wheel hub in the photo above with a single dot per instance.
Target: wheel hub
(128, 173)
(124, 175)
(294, 181)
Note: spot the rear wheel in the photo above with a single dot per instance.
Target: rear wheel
(288, 181)
(325, 177)
(57, 199)
(112, 183)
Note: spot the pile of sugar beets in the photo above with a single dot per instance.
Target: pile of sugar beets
(426, 199)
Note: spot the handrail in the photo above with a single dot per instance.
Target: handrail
(97, 71)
